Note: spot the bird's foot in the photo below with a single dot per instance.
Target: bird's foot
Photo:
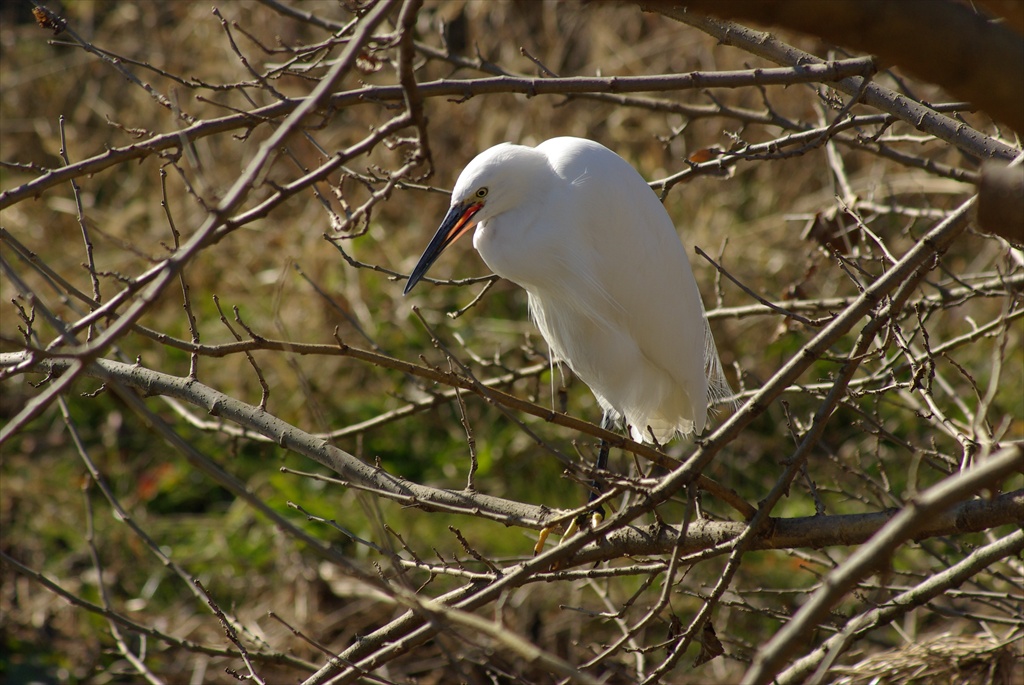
(589, 520)
(542, 537)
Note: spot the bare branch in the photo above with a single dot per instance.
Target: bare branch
(903, 526)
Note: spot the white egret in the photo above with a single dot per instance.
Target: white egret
(607, 277)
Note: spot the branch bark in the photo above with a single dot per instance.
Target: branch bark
(917, 114)
(1001, 201)
(941, 41)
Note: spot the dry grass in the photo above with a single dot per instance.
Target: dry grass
(968, 660)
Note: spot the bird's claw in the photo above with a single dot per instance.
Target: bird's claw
(542, 537)
(581, 522)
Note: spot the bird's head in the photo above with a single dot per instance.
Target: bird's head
(496, 181)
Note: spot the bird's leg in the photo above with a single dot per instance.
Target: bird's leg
(596, 485)
(694, 494)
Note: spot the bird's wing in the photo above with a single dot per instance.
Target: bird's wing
(627, 245)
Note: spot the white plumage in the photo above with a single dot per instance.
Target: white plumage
(609, 283)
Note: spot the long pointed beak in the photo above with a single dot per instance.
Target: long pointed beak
(456, 223)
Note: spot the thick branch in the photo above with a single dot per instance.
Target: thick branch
(941, 41)
(914, 113)
(348, 467)
(1001, 201)
(815, 532)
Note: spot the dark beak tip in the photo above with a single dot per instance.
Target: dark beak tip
(454, 225)
(414, 278)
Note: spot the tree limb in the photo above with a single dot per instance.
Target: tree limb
(941, 41)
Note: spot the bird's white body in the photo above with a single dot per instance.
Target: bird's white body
(609, 283)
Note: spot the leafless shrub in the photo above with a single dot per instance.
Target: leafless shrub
(229, 451)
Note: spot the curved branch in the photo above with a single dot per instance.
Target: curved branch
(347, 466)
(350, 468)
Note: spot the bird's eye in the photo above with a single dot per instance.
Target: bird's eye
(481, 193)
